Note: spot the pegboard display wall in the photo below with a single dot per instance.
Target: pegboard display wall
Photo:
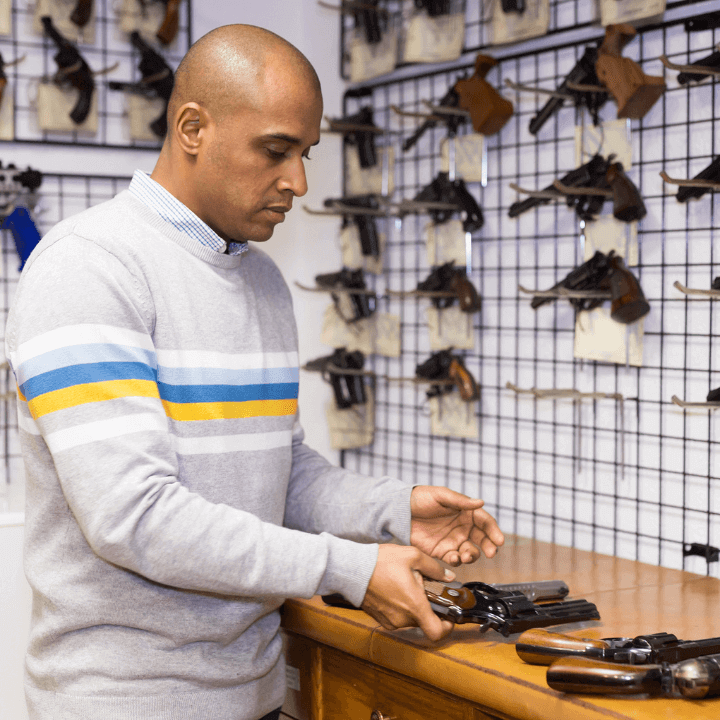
(637, 477)
(563, 15)
(59, 197)
(103, 44)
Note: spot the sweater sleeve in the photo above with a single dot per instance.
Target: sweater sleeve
(80, 344)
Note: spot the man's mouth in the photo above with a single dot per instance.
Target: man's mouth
(278, 211)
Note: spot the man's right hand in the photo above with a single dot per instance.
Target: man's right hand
(396, 596)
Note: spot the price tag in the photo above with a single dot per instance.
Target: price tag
(435, 39)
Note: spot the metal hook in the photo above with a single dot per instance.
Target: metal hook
(542, 194)
(705, 405)
(345, 127)
(689, 183)
(565, 293)
(691, 69)
(568, 190)
(538, 90)
(701, 293)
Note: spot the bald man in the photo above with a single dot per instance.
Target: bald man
(171, 502)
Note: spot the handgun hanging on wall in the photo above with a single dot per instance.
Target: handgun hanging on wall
(364, 140)
(454, 192)
(365, 224)
(354, 305)
(18, 199)
(711, 173)
(450, 279)
(583, 73)
(157, 80)
(72, 71)
(451, 99)
(349, 388)
(80, 15)
(434, 8)
(170, 24)
(445, 366)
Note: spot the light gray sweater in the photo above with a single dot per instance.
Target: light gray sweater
(171, 502)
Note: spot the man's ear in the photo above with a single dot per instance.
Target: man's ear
(192, 122)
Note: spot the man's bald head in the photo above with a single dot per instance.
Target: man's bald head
(229, 68)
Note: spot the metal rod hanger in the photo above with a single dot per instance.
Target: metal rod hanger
(442, 110)
(421, 293)
(700, 293)
(337, 208)
(705, 405)
(346, 127)
(352, 6)
(581, 87)
(689, 183)
(569, 294)
(410, 113)
(538, 90)
(569, 190)
(403, 207)
(692, 69)
(336, 290)
(542, 194)
(571, 393)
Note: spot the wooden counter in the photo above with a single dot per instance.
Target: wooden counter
(346, 665)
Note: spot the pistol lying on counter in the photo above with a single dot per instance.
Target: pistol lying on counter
(694, 679)
(500, 607)
(540, 647)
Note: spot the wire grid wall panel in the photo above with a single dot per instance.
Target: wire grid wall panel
(111, 45)
(638, 478)
(60, 196)
(564, 15)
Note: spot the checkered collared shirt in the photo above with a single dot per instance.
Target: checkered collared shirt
(170, 209)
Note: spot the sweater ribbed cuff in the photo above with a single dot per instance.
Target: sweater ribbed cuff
(349, 567)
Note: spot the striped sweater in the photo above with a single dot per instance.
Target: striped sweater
(171, 502)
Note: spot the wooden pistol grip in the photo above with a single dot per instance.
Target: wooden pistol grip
(464, 380)
(467, 295)
(541, 647)
(3, 85)
(483, 64)
(616, 38)
(81, 14)
(582, 675)
(169, 27)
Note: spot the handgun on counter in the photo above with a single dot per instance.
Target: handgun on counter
(450, 279)
(361, 304)
(349, 388)
(157, 81)
(541, 647)
(501, 607)
(365, 224)
(583, 73)
(72, 71)
(693, 679)
(445, 366)
(454, 192)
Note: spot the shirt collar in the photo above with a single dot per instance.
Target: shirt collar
(170, 209)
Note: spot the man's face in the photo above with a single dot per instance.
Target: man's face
(253, 164)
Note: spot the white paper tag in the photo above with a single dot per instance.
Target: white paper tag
(435, 39)
(369, 181)
(606, 233)
(6, 20)
(292, 678)
(60, 12)
(370, 60)
(622, 11)
(141, 112)
(7, 115)
(468, 156)
(352, 427)
(611, 137)
(352, 256)
(599, 337)
(445, 242)
(54, 106)
(451, 416)
(450, 328)
(379, 334)
(512, 26)
(146, 20)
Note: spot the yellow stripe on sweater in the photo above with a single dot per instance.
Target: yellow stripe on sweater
(90, 392)
(229, 410)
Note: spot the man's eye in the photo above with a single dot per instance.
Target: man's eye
(275, 154)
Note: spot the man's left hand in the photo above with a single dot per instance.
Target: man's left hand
(450, 526)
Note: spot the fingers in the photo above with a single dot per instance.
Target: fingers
(486, 533)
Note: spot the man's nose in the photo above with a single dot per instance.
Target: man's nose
(294, 178)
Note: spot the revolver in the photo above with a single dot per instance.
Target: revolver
(540, 647)
(157, 81)
(443, 365)
(349, 389)
(362, 304)
(448, 278)
(72, 70)
(694, 679)
(442, 189)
